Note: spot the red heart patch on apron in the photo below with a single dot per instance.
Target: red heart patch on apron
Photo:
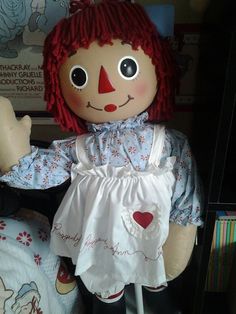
(143, 218)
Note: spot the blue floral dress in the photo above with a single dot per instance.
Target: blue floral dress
(162, 185)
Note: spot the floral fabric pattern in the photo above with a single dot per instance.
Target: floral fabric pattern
(32, 236)
(30, 271)
(24, 238)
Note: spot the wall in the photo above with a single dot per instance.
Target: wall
(184, 12)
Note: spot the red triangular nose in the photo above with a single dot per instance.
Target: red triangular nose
(104, 85)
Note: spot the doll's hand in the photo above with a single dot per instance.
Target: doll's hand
(14, 136)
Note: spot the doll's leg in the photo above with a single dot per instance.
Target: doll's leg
(95, 304)
(161, 301)
(87, 297)
(115, 304)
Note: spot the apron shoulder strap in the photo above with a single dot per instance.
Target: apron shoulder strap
(81, 153)
(158, 144)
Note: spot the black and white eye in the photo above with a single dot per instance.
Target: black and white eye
(128, 68)
(78, 77)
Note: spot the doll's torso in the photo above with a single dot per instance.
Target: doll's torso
(112, 150)
(43, 169)
(116, 216)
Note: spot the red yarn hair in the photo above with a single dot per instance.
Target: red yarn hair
(104, 22)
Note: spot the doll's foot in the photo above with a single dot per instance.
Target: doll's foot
(100, 307)
(161, 302)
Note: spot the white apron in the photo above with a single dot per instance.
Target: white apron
(113, 222)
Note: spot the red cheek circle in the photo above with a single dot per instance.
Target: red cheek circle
(74, 101)
(141, 89)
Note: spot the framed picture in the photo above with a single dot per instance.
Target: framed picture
(185, 44)
(23, 28)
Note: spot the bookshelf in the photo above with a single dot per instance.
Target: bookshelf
(222, 252)
(214, 142)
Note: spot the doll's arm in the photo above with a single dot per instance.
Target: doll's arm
(14, 136)
(43, 168)
(178, 248)
(27, 167)
(187, 204)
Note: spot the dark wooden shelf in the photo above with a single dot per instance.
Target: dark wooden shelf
(215, 143)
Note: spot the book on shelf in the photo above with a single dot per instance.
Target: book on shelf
(222, 251)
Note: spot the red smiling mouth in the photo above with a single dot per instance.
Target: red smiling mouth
(110, 107)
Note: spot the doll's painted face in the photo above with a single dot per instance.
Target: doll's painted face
(112, 82)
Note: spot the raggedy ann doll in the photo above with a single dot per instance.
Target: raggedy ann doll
(133, 207)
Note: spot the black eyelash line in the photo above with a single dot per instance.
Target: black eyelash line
(136, 78)
(76, 88)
